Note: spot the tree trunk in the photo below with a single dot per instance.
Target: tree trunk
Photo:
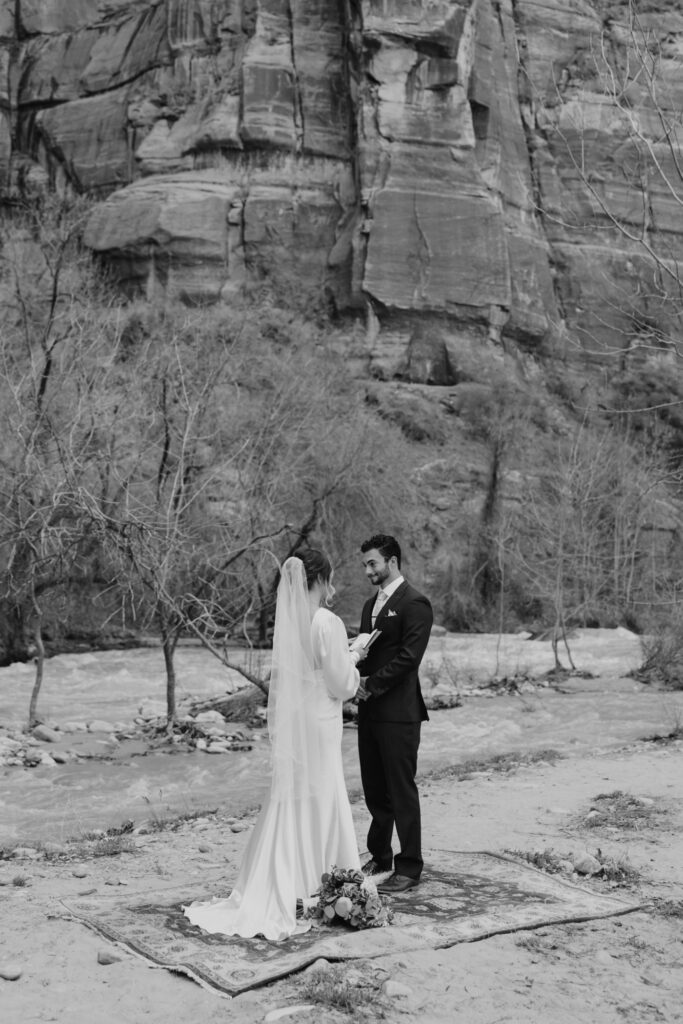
(12, 633)
(168, 646)
(169, 639)
(235, 707)
(40, 662)
(485, 576)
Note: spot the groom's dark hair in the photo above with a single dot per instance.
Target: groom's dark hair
(387, 546)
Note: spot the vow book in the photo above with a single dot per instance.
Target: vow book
(371, 639)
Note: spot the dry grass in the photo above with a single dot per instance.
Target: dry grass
(329, 988)
(616, 870)
(500, 763)
(48, 850)
(162, 823)
(112, 846)
(544, 860)
(116, 830)
(669, 908)
(619, 810)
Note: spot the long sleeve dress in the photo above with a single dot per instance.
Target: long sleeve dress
(294, 842)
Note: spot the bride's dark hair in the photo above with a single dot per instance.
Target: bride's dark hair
(317, 566)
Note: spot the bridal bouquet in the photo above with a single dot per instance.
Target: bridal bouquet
(348, 896)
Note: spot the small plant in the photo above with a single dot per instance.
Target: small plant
(121, 830)
(669, 908)
(91, 835)
(20, 881)
(537, 942)
(443, 672)
(544, 860)
(669, 737)
(618, 870)
(620, 810)
(329, 988)
(498, 763)
(443, 701)
(662, 653)
(615, 870)
(160, 823)
(112, 846)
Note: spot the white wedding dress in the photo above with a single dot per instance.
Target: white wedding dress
(305, 826)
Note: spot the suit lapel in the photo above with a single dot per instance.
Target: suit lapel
(391, 602)
(366, 616)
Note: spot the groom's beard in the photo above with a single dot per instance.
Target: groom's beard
(379, 578)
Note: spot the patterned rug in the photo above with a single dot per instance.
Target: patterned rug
(468, 896)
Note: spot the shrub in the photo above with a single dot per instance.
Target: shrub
(662, 652)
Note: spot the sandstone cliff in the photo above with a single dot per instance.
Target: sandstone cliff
(469, 159)
(488, 191)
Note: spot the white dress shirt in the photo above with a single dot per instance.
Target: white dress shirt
(383, 594)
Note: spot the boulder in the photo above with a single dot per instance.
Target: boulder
(586, 864)
(9, 745)
(105, 957)
(47, 735)
(10, 971)
(99, 725)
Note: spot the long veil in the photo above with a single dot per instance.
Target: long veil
(295, 742)
(300, 827)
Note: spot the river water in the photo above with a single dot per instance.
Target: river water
(124, 782)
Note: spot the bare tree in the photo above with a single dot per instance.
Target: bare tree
(234, 458)
(586, 531)
(45, 526)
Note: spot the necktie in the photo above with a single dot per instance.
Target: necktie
(379, 601)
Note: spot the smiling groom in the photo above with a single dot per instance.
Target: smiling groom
(390, 713)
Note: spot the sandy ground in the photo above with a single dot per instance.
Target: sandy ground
(623, 969)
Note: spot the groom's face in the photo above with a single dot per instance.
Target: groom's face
(377, 569)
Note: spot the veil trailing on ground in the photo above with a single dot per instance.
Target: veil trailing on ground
(305, 825)
(295, 742)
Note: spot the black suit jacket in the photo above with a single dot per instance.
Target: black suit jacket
(392, 663)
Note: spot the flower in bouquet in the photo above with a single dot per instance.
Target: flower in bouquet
(347, 895)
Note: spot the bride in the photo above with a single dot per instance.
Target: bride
(305, 825)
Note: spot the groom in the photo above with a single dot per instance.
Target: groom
(390, 713)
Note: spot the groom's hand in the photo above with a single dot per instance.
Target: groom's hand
(361, 692)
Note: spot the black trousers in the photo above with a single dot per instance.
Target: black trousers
(388, 764)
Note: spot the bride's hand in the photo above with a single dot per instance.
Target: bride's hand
(358, 644)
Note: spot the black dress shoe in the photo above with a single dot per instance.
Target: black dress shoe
(373, 868)
(396, 884)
